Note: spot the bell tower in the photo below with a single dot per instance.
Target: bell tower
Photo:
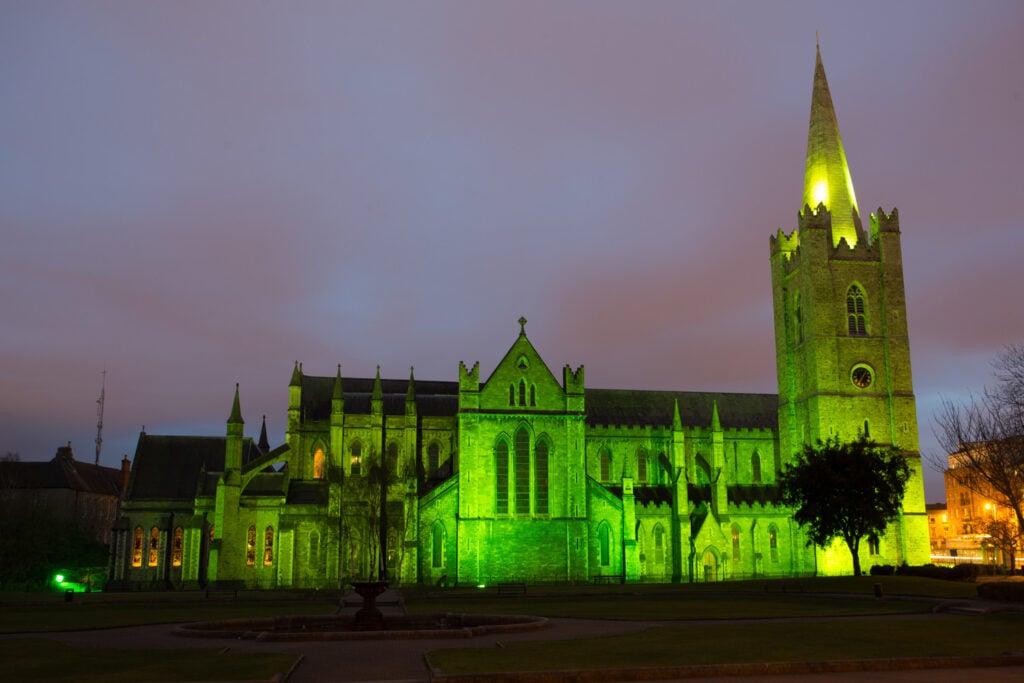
(841, 341)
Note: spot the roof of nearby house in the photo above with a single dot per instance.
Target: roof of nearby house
(61, 472)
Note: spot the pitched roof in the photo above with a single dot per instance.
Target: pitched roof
(433, 398)
(170, 467)
(62, 472)
(656, 408)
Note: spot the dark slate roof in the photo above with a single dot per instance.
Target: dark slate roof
(169, 467)
(433, 399)
(751, 494)
(62, 472)
(267, 484)
(653, 495)
(642, 408)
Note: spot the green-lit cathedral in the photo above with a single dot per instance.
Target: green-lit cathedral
(530, 476)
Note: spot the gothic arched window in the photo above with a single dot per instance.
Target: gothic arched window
(605, 538)
(250, 547)
(154, 546)
(501, 477)
(659, 544)
(318, 463)
(773, 543)
(540, 470)
(606, 465)
(433, 458)
(437, 545)
(137, 547)
(641, 466)
(855, 315)
(268, 547)
(755, 467)
(735, 543)
(176, 547)
(522, 475)
(356, 458)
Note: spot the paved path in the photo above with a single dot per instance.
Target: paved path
(402, 660)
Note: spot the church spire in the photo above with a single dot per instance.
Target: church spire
(236, 410)
(827, 176)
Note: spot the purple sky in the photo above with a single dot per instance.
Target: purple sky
(197, 194)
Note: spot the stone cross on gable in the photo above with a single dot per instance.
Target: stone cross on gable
(522, 325)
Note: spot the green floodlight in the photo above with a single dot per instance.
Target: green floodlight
(59, 578)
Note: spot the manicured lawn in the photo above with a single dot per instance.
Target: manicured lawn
(37, 659)
(145, 609)
(765, 641)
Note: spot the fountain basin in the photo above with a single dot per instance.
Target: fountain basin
(333, 627)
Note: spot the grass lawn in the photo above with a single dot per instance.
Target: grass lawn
(716, 643)
(145, 609)
(37, 659)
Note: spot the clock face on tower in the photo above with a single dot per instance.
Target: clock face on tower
(861, 376)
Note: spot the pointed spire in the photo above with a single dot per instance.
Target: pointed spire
(716, 424)
(296, 376)
(410, 394)
(677, 422)
(378, 392)
(264, 444)
(236, 410)
(338, 394)
(827, 178)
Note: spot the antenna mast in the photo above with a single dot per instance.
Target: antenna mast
(99, 415)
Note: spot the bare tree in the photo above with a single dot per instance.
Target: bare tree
(985, 437)
(11, 456)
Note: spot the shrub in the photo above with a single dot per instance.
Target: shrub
(961, 572)
(882, 570)
(1007, 591)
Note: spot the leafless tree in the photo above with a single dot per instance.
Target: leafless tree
(985, 436)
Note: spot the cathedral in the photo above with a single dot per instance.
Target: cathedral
(525, 475)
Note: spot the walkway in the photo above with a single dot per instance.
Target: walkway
(402, 660)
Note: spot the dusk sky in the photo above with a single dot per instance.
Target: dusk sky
(198, 194)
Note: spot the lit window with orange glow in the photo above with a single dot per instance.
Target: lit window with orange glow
(154, 546)
(268, 547)
(318, 464)
(250, 547)
(137, 548)
(176, 547)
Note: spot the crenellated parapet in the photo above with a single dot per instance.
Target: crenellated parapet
(781, 243)
(882, 222)
(469, 386)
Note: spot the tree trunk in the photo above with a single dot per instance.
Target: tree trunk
(854, 546)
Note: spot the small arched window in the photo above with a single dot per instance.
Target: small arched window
(250, 547)
(511, 394)
(433, 458)
(137, 547)
(755, 467)
(773, 543)
(176, 547)
(533, 395)
(356, 458)
(606, 465)
(154, 547)
(605, 539)
(318, 463)
(522, 392)
(641, 466)
(659, 544)
(855, 314)
(437, 545)
(268, 547)
(735, 543)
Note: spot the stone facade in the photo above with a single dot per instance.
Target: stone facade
(529, 476)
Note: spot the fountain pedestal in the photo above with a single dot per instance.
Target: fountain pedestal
(369, 617)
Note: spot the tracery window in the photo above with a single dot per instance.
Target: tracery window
(522, 473)
(855, 315)
(268, 547)
(501, 477)
(154, 546)
(250, 547)
(176, 547)
(540, 468)
(318, 463)
(137, 548)
(356, 458)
